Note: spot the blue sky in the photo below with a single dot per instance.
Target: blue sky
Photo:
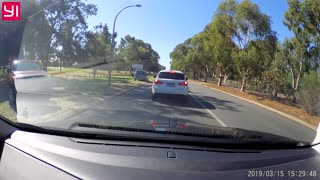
(166, 23)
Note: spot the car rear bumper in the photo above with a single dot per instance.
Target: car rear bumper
(182, 91)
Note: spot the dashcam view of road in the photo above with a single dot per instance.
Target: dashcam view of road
(61, 102)
(57, 71)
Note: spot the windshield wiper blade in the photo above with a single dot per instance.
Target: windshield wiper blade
(239, 139)
(252, 139)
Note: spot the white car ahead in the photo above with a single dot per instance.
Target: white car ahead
(170, 82)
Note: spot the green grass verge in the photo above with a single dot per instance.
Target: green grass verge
(83, 72)
(150, 77)
(1, 76)
(7, 112)
(96, 86)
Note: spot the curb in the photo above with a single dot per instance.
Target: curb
(263, 106)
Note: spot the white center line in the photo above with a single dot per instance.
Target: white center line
(211, 113)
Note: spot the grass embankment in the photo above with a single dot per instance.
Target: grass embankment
(83, 80)
(5, 109)
(84, 72)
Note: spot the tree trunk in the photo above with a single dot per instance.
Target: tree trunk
(94, 71)
(127, 68)
(293, 85)
(46, 57)
(274, 94)
(293, 80)
(220, 80)
(219, 75)
(45, 63)
(206, 70)
(297, 83)
(60, 66)
(294, 98)
(213, 76)
(243, 84)
(298, 77)
(205, 76)
(225, 78)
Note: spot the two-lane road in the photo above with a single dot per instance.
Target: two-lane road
(205, 107)
(238, 113)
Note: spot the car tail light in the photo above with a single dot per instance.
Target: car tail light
(154, 124)
(156, 81)
(171, 72)
(185, 83)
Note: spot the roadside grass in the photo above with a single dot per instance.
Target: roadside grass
(5, 108)
(292, 110)
(82, 81)
(88, 72)
(84, 72)
(96, 86)
(150, 78)
(7, 112)
(2, 78)
(69, 71)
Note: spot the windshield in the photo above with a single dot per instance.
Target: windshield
(211, 68)
(26, 66)
(171, 75)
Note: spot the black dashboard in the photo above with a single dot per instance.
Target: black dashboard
(27, 155)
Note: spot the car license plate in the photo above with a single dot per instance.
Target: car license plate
(170, 84)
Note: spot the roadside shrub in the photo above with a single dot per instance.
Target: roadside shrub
(309, 92)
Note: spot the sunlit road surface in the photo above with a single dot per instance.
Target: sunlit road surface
(204, 107)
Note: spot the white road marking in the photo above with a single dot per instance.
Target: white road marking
(211, 113)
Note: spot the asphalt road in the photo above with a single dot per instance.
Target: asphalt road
(205, 107)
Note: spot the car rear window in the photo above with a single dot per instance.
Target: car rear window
(26, 66)
(140, 72)
(168, 75)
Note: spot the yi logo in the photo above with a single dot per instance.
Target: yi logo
(11, 11)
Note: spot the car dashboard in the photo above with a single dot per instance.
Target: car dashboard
(27, 155)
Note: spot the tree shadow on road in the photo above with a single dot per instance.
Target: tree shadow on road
(218, 102)
(201, 102)
(224, 104)
(180, 101)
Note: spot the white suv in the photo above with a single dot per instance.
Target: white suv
(170, 82)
